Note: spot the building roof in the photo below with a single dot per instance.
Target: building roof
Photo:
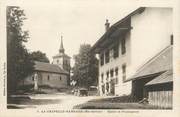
(61, 55)
(61, 49)
(46, 67)
(117, 29)
(166, 77)
(156, 65)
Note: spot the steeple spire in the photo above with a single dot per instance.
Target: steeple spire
(61, 49)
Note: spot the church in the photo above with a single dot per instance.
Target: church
(54, 75)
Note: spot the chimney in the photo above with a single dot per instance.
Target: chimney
(107, 25)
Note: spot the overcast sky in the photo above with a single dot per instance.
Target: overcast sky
(77, 22)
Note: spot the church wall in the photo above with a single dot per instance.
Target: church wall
(54, 80)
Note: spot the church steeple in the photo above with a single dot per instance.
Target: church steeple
(61, 49)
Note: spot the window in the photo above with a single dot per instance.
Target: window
(107, 87)
(171, 40)
(124, 72)
(48, 77)
(116, 51)
(103, 89)
(102, 78)
(107, 75)
(60, 78)
(123, 46)
(102, 59)
(112, 72)
(57, 61)
(107, 56)
(116, 73)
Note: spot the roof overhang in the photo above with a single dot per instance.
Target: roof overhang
(166, 77)
(116, 31)
(65, 73)
(145, 76)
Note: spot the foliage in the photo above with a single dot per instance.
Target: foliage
(39, 56)
(86, 67)
(19, 64)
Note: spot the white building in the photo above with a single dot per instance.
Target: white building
(129, 44)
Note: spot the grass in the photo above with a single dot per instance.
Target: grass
(121, 99)
(109, 105)
(123, 102)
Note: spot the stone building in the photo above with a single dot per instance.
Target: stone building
(56, 75)
(63, 60)
(128, 45)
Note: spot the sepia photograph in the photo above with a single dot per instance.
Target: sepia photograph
(85, 56)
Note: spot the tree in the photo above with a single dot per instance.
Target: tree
(19, 64)
(39, 56)
(86, 67)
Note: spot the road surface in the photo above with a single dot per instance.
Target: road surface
(66, 101)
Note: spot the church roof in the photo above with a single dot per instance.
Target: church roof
(47, 67)
(61, 55)
(61, 49)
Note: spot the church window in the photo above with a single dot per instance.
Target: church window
(57, 61)
(60, 78)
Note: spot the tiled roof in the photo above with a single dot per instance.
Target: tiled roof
(166, 77)
(61, 55)
(159, 63)
(46, 67)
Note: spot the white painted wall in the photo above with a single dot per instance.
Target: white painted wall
(59, 63)
(150, 34)
(121, 88)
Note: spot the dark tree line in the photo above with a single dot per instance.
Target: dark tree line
(19, 64)
(19, 60)
(85, 70)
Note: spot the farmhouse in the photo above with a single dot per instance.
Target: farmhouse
(135, 56)
(56, 75)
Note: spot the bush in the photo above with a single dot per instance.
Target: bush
(45, 87)
(24, 88)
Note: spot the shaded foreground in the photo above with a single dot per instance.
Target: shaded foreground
(123, 102)
(108, 105)
(26, 102)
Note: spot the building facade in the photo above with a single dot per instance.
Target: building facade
(128, 45)
(46, 74)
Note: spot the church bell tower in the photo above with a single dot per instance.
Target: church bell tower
(61, 59)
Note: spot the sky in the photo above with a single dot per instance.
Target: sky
(77, 22)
